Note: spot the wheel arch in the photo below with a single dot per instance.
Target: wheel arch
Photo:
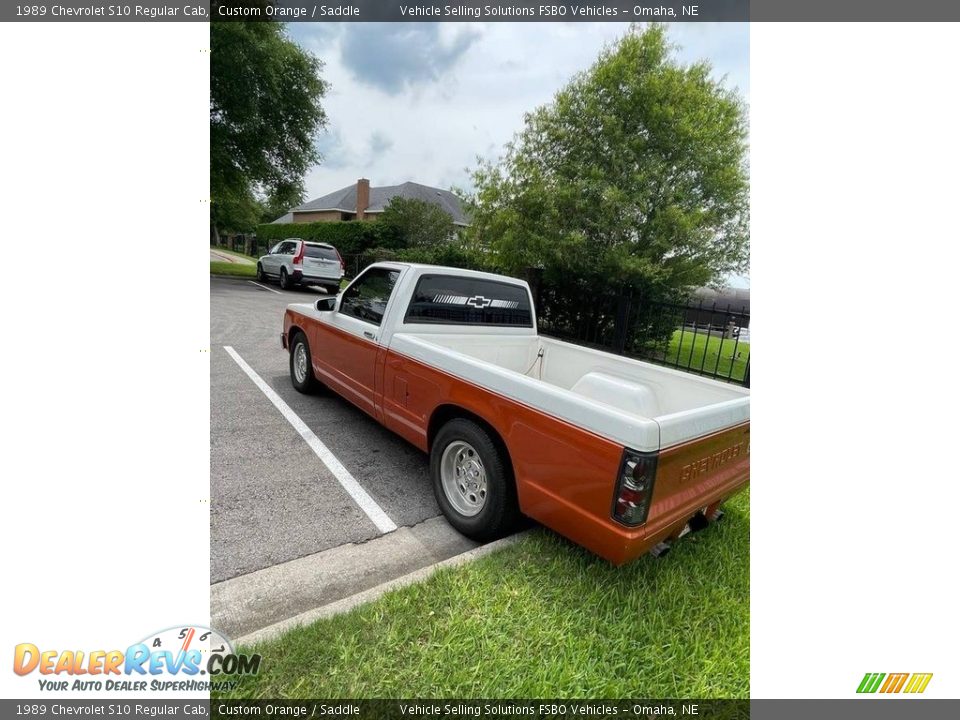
(292, 332)
(443, 414)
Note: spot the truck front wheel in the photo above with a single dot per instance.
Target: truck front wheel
(472, 481)
(301, 365)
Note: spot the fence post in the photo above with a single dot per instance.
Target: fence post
(746, 374)
(621, 323)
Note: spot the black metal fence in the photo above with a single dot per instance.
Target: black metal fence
(711, 339)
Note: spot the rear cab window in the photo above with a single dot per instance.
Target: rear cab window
(460, 300)
(324, 253)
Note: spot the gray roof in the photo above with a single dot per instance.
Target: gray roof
(345, 200)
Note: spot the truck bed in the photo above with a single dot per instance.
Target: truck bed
(641, 405)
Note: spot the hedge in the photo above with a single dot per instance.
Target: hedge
(350, 238)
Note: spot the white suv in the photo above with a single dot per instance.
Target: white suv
(297, 262)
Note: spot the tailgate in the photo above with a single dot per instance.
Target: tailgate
(321, 267)
(697, 473)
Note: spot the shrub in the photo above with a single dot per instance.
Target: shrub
(449, 255)
(350, 238)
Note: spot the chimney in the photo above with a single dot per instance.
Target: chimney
(363, 197)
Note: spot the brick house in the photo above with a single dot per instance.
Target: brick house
(363, 202)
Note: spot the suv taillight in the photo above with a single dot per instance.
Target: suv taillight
(298, 258)
(631, 503)
(343, 265)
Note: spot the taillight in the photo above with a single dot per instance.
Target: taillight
(343, 265)
(631, 503)
(298, 258)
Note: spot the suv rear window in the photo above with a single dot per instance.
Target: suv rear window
(314, 251)
(456, 300)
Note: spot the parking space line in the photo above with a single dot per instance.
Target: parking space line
(369, 506)
(265, 287)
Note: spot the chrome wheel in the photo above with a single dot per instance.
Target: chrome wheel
(300, 362)
(463, 478)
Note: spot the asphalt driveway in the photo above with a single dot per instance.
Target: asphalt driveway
(272, 499)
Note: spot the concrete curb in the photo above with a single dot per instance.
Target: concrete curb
(348, 603)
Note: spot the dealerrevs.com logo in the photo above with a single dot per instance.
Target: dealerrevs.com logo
(183, 659)
(910, 683)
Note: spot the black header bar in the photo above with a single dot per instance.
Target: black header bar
(479, 11)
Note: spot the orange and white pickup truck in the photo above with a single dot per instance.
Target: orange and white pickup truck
(618, 455)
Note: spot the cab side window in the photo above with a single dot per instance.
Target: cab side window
(366, 299)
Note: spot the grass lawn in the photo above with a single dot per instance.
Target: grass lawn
(691, 352)
(540, 619)
(235, 254)
(237, 269)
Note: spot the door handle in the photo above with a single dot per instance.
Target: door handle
(367, 333)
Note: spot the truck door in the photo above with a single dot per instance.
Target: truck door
(349, 354)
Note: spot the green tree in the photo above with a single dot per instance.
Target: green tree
(265, 113)
(418, 223)
(633, 180)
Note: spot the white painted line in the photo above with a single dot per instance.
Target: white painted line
(265, 287)
(376, 514)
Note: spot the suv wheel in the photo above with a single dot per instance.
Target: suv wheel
(260, 276)
(285, 279)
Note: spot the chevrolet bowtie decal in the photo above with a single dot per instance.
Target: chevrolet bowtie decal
(477, 301)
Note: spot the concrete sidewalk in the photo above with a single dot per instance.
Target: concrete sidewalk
(217, 256)
(247, 603)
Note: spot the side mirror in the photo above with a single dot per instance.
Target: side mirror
(327, 304)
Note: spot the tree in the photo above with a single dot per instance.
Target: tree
(418, 223)
(633, 180)
(265, 113)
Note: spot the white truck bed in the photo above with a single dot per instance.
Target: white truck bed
(641, 405)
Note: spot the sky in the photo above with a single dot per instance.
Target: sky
(422, 101)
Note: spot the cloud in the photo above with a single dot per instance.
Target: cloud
(333, 150)
(379, 144)
(394, 56)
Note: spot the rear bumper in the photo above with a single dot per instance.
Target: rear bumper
(299, 277)
(618, 543)
(671, 525)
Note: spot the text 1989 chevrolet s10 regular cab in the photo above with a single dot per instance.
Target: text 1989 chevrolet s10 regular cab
(618, 455)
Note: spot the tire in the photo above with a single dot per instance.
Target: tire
(473, 481)
(332, 289)
(285, 281)
(260, 274)
(301, 377)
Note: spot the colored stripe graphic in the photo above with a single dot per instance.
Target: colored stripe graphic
(918, 682)
(870, 682)
(895, 682)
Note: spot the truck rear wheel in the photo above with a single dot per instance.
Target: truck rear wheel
(301, 365)
(472, 481)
